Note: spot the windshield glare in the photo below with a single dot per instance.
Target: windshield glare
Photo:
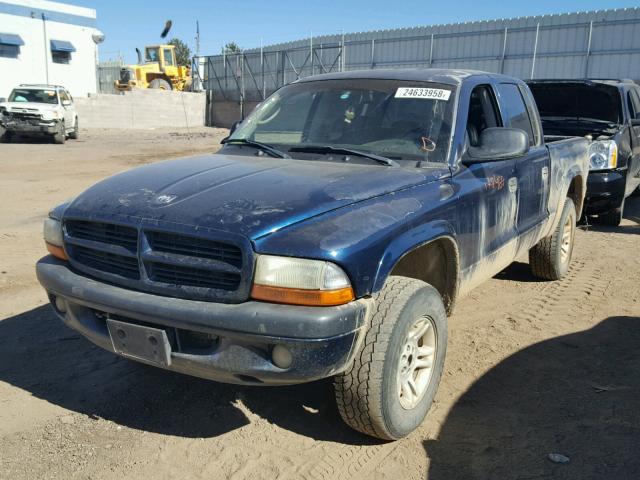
(400, 120)
(33, 95)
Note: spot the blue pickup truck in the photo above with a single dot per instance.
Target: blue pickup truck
(329, 237)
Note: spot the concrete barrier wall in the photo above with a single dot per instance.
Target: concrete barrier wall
(142, 109)
(223, 113)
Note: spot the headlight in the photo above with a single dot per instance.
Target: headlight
(51, 115)
(300, 281)
(53, 238)
(603, 155)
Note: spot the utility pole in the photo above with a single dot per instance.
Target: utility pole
(197, 38)
(46, 48)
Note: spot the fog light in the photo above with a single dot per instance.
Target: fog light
(281, 356)
(61, 305)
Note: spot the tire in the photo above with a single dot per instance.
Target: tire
(612, 218)
(76, 131)
(60, 137)
(160, 83)
(551, 257)
(5, 136)
(368, 393)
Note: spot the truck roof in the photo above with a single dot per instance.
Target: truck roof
(438, 75)
(39, 85)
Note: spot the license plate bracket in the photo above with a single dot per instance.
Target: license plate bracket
(138, 342)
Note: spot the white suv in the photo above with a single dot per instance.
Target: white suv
(39, 109)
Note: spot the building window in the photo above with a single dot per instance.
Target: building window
(10, 45)
(60, 57)
(61, 51)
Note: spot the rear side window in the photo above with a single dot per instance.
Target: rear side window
(516, 114)
(634, 103)
(533, 113)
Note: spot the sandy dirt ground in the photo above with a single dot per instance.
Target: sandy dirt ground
(533, 368)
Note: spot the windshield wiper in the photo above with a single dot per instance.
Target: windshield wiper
(345, 151)
(274, 152)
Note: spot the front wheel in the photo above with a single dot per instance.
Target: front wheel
(61, 135)
(5, 136)
(389, 388)
(550, 258)
(160, 84)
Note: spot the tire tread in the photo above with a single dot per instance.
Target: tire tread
(358, 389)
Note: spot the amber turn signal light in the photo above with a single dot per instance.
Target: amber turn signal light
(297, 296)
(56, 251)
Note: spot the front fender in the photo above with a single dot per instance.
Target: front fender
(367, 238)
(406, 243)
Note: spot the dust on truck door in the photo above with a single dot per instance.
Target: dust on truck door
(532, 169)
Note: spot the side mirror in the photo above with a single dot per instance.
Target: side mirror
(498, 143)
(66, 103)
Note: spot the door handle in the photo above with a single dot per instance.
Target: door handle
(513, 184)
(545, 173)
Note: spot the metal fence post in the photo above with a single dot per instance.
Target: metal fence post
(535, 50)
(588, 53)
(504, 49)
(373, 52)
(431, 51)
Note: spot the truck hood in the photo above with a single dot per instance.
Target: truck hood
(28, 107)
(252, 196)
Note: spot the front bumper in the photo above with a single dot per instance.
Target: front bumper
(605, 191)
(322, 340)
(31, 127)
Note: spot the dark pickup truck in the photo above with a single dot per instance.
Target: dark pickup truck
(607, 112)
(330, 237)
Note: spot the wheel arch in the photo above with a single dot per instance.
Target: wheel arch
(435, 261)
(576, 192)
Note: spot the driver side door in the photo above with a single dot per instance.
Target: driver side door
(488, 201)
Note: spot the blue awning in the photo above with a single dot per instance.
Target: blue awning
(11, 39)
(62, 46)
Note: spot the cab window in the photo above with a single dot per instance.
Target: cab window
(168, 57)
(516, 113)
(152, 55)
(634, 104)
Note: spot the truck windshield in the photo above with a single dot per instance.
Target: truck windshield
(399, 120)
(34, 95)
(582, 102)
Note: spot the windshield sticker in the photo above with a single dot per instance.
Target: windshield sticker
(426, 93)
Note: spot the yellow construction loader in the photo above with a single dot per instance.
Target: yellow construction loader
(158, 69)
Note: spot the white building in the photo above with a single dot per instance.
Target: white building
(47, 42)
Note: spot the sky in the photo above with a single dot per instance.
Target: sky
(130, 24)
